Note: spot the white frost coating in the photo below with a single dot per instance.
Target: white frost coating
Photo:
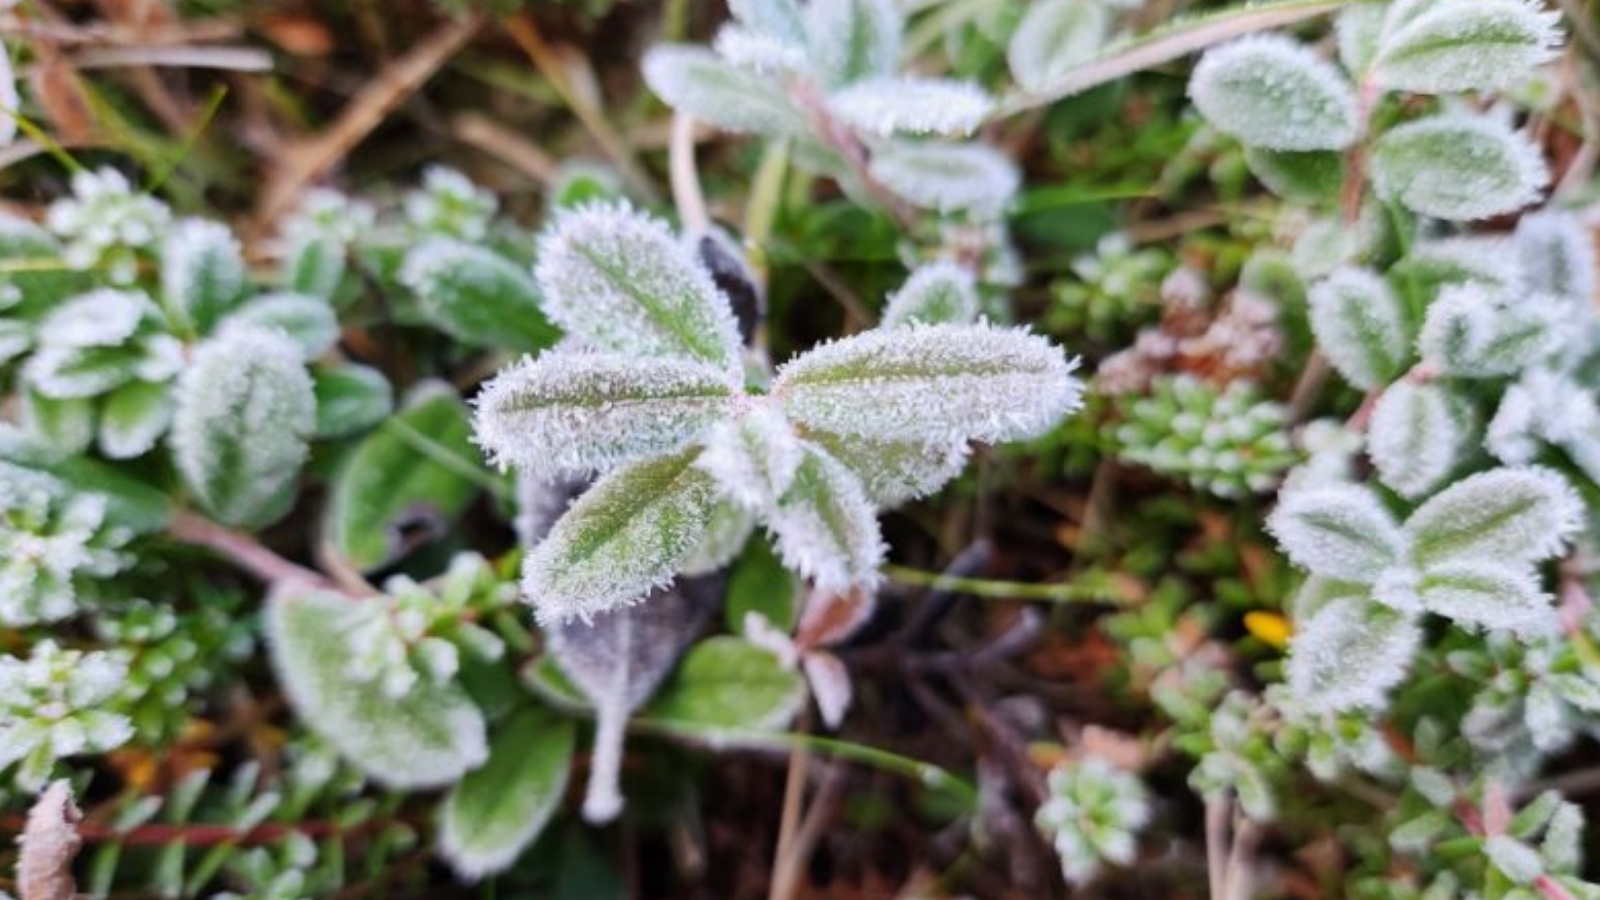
(133, 418)
(1273, 92)
(1487, 594)
(758, 52)
(907, 105)
(1458, 166)
(826, 529)
(1494, 261)
(1557, 253)
(1508, 515)
(573, 413)
(893, 472)
(725, 538)
(753, 458)
(1414, 437)
(617, 279)
(1358, 28)
(1512, 435)
(10, 100)
(1360, 326)
(849, 40)
(307, 321)
(202, 269)
(1053, 37)
(626, 536)
(1476, 332)
(932, 383)
(936, 293)
(1349, 655)
(245, 407)
(101, 318)
(948, 177)
(697, 82)
(778, 19)
(1467, 45)
(1340, 531)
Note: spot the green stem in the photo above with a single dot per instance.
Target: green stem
(1079, 591)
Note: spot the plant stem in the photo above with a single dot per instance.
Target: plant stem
(1067, 592)
(242, 550)
(687, 195)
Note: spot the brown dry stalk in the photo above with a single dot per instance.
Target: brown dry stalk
(49, 842)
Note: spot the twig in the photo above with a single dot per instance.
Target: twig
(843, 141)
(506, 145)
(785, 874)
(687, 195)
(1218, 811)
(1237, 876)
(242, 550)
(231, 59)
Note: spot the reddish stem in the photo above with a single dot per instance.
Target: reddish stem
(242, 550)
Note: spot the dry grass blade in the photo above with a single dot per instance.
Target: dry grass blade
(49, 842)
(305, 162)
(1176, 40)
(233, 59)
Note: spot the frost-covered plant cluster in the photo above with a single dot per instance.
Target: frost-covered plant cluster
(381, 529)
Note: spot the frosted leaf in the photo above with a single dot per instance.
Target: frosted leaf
(100, 318)
(1508, 515)
(1359, 28)
(825, 527)
(779, 19)
(1340, 532)
(617, 279)
(1092, 815)
(133, 418)
(1055, 37)
(1557, 253)
(1330, 242)
(477, 295)
(698, 83)
(1311, 176)
(851, 40)
(623, 538)
(936, 293)
(1563, 838)
(1360, 326)
(245, 408)
(948, 177)
(202, 272)
(1431, 266)
(1514, 859)
(499, 809)
(749, 49)
(1467, 45)
(306, 320)
(449, 204)
(1512, 435)
(1273, 92)
(729, 531)
(10, 100)
(1349, 655)
(1487, 594)
(1415, 437)
(1458, 166)
(618, 660)
(904, 105)
(894, 472)
(753, 457)
(1474, 332)
(992, 384)
(66, 425)
(429, 737)
(570, 413)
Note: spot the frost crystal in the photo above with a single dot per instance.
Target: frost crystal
(1487, 594)
(1272, 92)
(754, 457)
(901, 105)
(51, 708)
(52, 547)
(1093, 815)
(572, 413)
(1459, 167)
(993, 384)
(618, 280)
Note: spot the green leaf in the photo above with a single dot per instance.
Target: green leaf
(134, 417)
(430, 737)
(1273, 92)
(850, 40)
(1312, 176)
(33, 275)
(727, 685)
(1467, 45)
(1472, 331)
(759, 582)
(1053, 38)
(68, 425)
(1361, 327)
(306, 320)
(131, 503)
(245, 409)
(627, 535)
(419, 464)
(478, 296)
(1416, 436)
(1458, 166)
(1487, 594)
(949, 178)
(826, 529)
(1349, 654)
(993, 384)
(701, 84)
(571, 413)
(350, 399)
(202, 273)
(314, 265)
(936, 294)
(1337, 531)
(499, 809)
(895, 472)
(619, 280)
(1508, 515)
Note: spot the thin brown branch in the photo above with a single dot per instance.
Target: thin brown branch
(242, 550)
